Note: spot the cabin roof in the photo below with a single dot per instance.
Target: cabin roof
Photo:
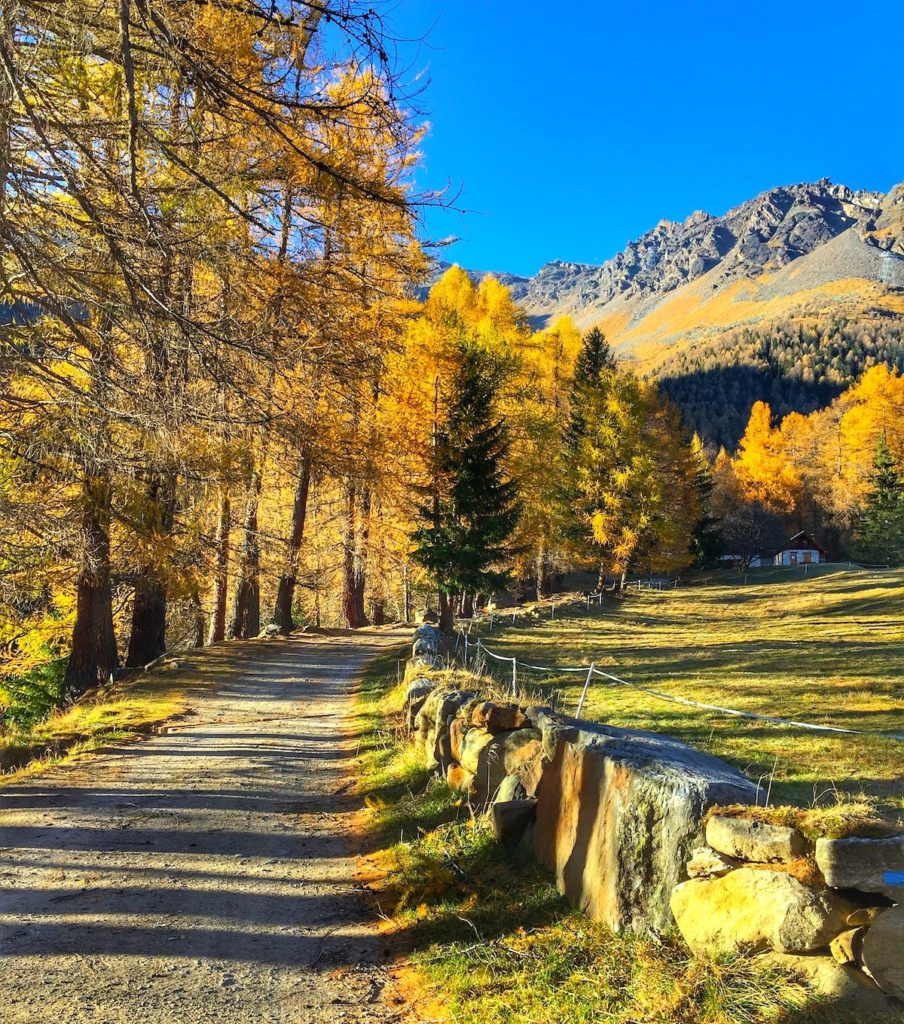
(801, 542)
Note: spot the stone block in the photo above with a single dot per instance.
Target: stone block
(883, 951)
(870, 865)
(754, 910)
(752, 840)
(619, 813)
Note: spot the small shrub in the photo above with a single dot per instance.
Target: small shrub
(30, 698)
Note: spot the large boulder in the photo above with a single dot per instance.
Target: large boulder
(496, 718)
(619, 813)
(882, 952)
(426, 645)
(871, 865)
(416, 694)
(433, 720)
(471, 745)
(510, 753)
(510, 819)
(752, 840)
(753, 910)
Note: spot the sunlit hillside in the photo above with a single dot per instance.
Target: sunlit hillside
(825, 647)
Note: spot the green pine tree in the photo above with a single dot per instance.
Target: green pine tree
(706, 540)
(881, 527)
(472, 508)
(593, 372)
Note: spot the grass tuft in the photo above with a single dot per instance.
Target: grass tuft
(490, 939)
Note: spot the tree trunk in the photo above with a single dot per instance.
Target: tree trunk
(217, 630)
(93, 657)
(446, 619)
(285, 595)
(198, 617)
(245, 621)
(601, 581)
(354, 562)
(406, 594)
(467, 606)
(543, 590)
(147, 639)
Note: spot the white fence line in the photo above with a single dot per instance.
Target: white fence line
(592, 670)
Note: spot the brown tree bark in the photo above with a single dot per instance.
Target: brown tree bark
(543, 581)
(93, 657)
(354, 543)
(147, 639)
(217, 631)
(285, 594)
(446, 617)
(245, 621)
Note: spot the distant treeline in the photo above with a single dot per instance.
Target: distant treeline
(793, 367)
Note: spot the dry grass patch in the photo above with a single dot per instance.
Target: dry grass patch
(825, 648)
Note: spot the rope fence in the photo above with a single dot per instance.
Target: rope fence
(591, 671)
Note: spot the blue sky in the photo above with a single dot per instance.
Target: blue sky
(572, 128)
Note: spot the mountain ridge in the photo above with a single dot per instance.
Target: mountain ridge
(794, 252)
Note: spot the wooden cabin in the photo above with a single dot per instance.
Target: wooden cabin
(801, 549)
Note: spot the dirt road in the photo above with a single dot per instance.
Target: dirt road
(203, 875)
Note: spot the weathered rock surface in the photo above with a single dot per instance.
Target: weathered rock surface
(431, 721)
(426, 645)
(458, 778)
(496, 718)
(871, 865)
(416, 693)
(511, 818)
(471, 746)
(511, 788)
(708, 863)
(844, 985)
(753, 910)
(847, 947)
(619, 812)
(751, 840)
(458, 729)
(427, 661)
(510, 753)
(883, 951)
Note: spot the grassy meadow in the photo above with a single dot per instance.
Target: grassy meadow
(486, 937)
(124, 711)
(825, 647)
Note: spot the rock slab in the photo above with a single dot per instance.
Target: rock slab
(871, 865)
(754, 910)
(882, 952)
(619, 812)
(752, 840)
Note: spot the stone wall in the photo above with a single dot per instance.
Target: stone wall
(628, 822)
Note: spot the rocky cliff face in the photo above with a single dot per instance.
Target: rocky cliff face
(788, 241)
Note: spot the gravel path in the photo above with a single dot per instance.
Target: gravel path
(205, 874)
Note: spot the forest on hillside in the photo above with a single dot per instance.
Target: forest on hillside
(223, 412)
(795, 367)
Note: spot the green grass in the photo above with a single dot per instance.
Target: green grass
(827, 648)
(121, 712)
(491, 941)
